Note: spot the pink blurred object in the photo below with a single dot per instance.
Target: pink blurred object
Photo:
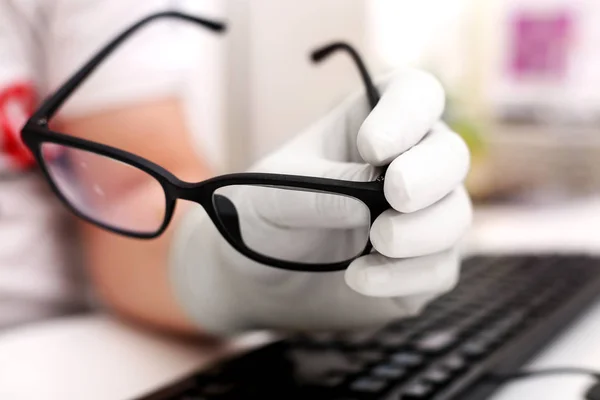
(541, 44)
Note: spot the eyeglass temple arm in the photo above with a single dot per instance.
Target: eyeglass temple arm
(373, 95)
(324, 52)
(53, 103)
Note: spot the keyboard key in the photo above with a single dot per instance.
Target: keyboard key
(491, 336)
(407, 359)
(436, 376)
(320, 362)
(368, 385)
(416, 391)
(475, 349)
(391, 372)
(437, 341)
(315, 367)
(514, 319)
(415, 358)
(503, 327)
(393, 339)
(454, 363)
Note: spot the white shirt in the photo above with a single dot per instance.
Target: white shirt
(42, 42)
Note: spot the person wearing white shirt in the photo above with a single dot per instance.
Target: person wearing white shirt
(189, 280)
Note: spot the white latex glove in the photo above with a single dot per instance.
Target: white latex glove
(414, 258)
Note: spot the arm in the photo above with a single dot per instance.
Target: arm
(131, 102)
(414, 258)
(222, 292)
(131, 275)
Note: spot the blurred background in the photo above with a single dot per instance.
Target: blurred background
(523, 81)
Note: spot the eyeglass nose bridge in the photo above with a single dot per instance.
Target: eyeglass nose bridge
(203, 194)
(199, 193)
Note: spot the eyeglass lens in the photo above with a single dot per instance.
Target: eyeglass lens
(294, 225)
(106, 190)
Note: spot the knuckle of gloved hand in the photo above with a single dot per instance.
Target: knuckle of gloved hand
(384, 236)
(398, 191)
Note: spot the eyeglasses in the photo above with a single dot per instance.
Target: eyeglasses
(236, 203)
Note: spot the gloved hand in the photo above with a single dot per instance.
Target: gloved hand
(414, 258)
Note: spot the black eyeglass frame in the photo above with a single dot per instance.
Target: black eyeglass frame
(36, 132)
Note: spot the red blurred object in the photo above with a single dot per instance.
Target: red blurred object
(17, 103)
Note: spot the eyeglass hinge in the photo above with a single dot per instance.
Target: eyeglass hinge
(42, 121)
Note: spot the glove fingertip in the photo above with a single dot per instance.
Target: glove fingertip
(412, 104)
(355, 278)
(372, 146)
(370, 276)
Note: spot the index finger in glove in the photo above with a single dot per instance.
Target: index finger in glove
(410, 106)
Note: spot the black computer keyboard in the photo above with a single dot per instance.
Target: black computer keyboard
(502, 312)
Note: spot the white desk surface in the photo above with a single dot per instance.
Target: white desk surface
(99, 358)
